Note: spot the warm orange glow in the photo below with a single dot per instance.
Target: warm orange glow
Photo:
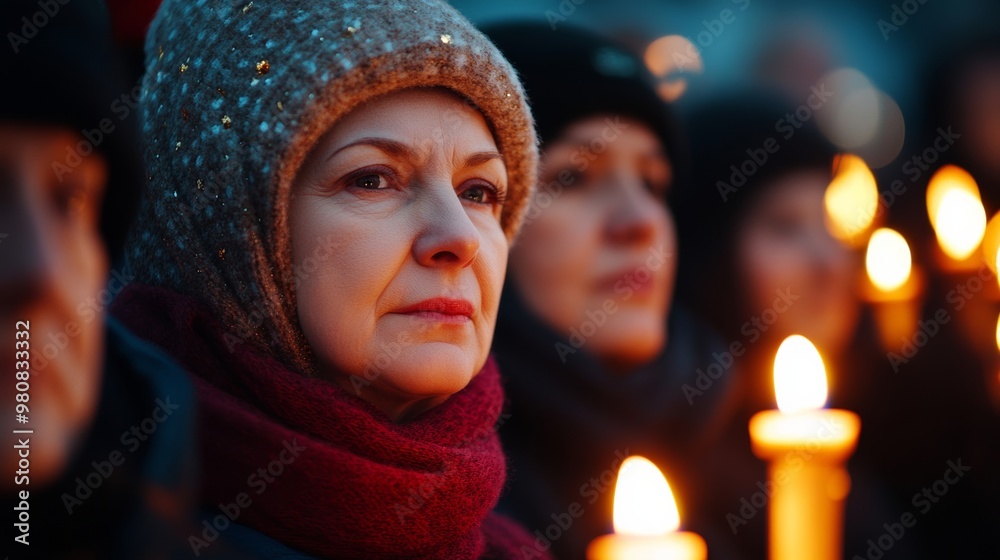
(991, 242)
(669, 56)
(888, 259)
(851, 199)
(998, 332)
(799, 376)
(956, 211)
(644, 504)
(948, 178)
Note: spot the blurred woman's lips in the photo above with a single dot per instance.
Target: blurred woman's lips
(441, 310)
(628, 279)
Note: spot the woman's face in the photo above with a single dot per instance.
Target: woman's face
(799, 279)
(595, 259)
(398, 251)
(51, 287)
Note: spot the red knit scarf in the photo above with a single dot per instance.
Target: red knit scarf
(324, 471)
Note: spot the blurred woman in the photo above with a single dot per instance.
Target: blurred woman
(759, 264)
(583, 322)
(333, 191)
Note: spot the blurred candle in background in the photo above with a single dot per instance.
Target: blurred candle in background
(851, 200)
(893, 286)
(956, 211)
(806, 446)
(646, 519)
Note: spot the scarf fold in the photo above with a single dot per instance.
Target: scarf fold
(324, 471)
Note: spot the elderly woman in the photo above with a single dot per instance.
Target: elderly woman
(333, 191)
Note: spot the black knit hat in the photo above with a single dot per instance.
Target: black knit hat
(571, 73)
(62, 70)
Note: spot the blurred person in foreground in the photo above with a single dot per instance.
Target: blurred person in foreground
(107, 468)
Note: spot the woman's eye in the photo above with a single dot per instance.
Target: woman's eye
(569, 178)
(371, 181)
(476, 194)
(481, 194)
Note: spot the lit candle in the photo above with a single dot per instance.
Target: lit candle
(893, 285)
(645, 519)
(851, 200)
(807, 447)
(956, 212)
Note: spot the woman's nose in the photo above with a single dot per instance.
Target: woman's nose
(633, 213)
(447, 236)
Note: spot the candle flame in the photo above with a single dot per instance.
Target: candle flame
(998, 332)
(888, 259)
(851, 199)
(956, 211)
(644, 504)
(799, 376)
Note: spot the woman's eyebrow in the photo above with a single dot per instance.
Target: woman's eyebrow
(479, 158)
(401, 150)
(391, 147)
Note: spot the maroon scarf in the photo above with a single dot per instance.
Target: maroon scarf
(344, 481)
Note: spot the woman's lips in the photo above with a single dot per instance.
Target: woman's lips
(441, 310)
(628, 279)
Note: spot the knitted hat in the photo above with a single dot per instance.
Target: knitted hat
(236, 94)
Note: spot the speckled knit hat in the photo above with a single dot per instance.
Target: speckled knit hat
(236, 94)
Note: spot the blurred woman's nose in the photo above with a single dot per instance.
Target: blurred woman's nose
(828, 255)
(447, 236)
(633, 213)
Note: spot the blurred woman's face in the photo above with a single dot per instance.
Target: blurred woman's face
(595, 259)
(51, 298)
(793, 267)
(398, 250)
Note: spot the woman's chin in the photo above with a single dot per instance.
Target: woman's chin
(432, 369)
(630, 343)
